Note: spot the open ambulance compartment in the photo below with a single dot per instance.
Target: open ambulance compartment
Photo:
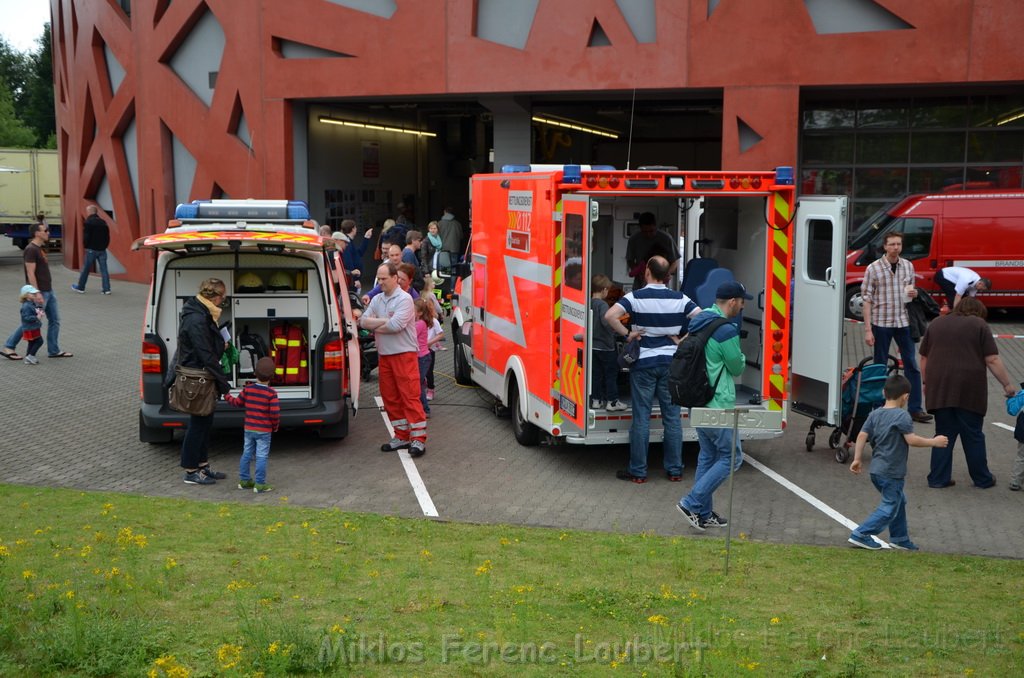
(286, 313)
(720, 238)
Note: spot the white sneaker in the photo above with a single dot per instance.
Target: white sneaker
(617, 406)
(596, 404)
(31, 360)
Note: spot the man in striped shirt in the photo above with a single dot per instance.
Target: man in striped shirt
(888, 286)
(262, 415)
(658, 316)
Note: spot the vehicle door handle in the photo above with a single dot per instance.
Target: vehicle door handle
(828, 277)
(577, 337)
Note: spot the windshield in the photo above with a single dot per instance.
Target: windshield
(870, 227)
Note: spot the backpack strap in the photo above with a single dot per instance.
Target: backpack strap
(705, 334)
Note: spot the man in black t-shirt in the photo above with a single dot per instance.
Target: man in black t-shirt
(96, 238)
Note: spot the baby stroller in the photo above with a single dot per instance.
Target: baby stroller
(861, 393)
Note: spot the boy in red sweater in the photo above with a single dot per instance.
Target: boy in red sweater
(262, 414)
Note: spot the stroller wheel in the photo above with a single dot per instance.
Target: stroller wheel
(809, 441)
(842, 454)
(834, 438)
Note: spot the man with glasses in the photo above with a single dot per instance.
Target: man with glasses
(37, 274)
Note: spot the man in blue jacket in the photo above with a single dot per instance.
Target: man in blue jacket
(723, 354)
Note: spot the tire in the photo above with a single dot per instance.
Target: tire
(854, 303)
(154, 435)
(842, 454)
(834, 438)
(526, 433)
(335, 431)
(463, 373)
(809, 442)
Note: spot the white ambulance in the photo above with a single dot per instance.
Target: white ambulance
(284, 301)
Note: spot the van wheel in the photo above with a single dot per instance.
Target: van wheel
(335, 431)
(463, 373)
(526, 433)
(854, 303)
(154, 435)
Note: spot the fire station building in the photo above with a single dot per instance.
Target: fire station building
(359, 105)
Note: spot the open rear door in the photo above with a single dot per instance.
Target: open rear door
(573, 396)
(819, 283)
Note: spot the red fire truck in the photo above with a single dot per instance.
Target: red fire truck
(522, 320)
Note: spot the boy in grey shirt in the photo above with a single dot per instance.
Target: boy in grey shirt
(891, 432)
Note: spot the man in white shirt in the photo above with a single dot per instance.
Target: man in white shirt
(956, 281)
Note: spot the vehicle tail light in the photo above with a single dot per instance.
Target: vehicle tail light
(151, 363)
(334, 356)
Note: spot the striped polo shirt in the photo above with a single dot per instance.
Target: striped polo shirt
(661, 313)
(262, 409)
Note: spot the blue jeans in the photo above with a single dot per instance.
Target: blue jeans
(52, 327)
(891, 513)
(606, 376)
(883, 337)
(424, 365)
(91, 257)
(646, 384)
(954, 422)
(712, 468)
(256, 445)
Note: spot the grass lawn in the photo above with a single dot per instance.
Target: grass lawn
(109, 584)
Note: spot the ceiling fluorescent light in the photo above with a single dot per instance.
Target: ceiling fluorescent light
(328, 120)
(576, 126)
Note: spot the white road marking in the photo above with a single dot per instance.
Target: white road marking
(808, 497)
(426, 503)
(1002, 425)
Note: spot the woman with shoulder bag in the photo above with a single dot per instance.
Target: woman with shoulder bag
(200, 346)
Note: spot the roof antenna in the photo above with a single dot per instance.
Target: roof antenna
(629, 144)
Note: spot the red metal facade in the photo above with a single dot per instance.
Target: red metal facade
(759, 54)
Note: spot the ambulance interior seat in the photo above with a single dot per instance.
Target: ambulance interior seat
(694, 274)
(706, 293)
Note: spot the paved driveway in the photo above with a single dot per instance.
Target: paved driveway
(73, 423)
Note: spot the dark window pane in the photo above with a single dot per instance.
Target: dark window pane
(995, 146)
(937, 147)
(994, 177)
(883, 182)
(934, 179)
(819, 248)
(826, 182)
(997, 111)
(828, 118)
(942, 112)
(882, 114)
(863, 209)
(917, 237)
(828, 149)
(879, 148)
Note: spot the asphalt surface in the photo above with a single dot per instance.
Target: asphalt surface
(73, 423)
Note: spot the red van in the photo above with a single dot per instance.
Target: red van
(980, 230)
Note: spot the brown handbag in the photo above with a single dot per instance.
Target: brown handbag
(194, 391)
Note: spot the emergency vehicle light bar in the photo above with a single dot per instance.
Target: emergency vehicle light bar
(278, 210)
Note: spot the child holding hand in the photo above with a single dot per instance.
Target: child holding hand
(32, 314)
